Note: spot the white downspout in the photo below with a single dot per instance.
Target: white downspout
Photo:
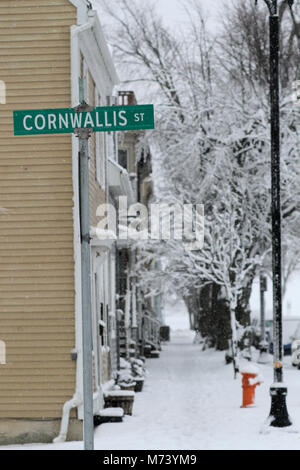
(75, 401)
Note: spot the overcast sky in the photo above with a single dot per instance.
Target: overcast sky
(173, 14)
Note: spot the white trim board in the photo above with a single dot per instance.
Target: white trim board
(82, 10)
(75, 71)
(96, 53)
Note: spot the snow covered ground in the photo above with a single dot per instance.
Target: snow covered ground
(191, 401)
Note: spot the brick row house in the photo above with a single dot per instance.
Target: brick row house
(44, 51)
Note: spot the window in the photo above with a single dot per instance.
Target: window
(123, 158)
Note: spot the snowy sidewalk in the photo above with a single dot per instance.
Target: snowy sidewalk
(191, 401)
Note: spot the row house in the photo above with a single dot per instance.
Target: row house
(52, 55)
(45, 50)
(139, 316)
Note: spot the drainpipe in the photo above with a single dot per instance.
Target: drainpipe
(75, 401)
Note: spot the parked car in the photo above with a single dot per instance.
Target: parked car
(290, 332)
(296, 353)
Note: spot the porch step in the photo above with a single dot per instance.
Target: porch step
(154, 354)
(109, 415)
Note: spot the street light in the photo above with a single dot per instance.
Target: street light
(278, 415)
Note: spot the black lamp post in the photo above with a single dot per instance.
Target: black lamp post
(278, 415)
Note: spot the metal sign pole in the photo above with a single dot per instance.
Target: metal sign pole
(278, 415)
(87, 344)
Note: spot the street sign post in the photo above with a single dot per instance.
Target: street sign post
(83, 121)
(100, 119)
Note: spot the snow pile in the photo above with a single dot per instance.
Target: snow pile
(119, 393)
(112, 412)
(191, 402)
(249, 368)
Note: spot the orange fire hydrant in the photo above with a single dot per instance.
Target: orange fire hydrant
(249, 383)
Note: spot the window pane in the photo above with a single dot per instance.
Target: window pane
(122, 157)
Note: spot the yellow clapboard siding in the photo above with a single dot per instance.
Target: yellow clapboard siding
(37, 294)
(36, 236)
(41, 335)
(42, 371)
(27, 11)
(63, 320)
(36, 240)
(32, 197)
(47, 354)
(33, 392)
(12, 95)
(27, 175)
(18, 47)
(14, 98)
(38, 232)
(54, 305)
(39, 224)
(18, 277)
(48, 102)
(31, 143)
(12, 166)
(50, 143)
(37, 185)
(41, 367)
(35, 260)
(17, 153)
(44, 85)
(28, 161)
(55, 22)
(32, 58)
(41, 321)
(25, 30)
(48, 191)
(31, 148)
(36, 214)
(27, 208)
(37, 246)
(35, 75)
(45, 408)
(37, 344)
(39, 297)
(56, 388)
(32, 414)
(10, 309)
(32, 36)
(40, 402)
(27, 204)
(27, 6)
(30, 53)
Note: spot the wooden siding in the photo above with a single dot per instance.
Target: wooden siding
(36, 228)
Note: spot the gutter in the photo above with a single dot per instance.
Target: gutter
(74, 402)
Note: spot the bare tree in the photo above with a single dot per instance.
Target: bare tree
(212, 140)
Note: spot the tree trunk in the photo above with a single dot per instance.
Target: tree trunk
(234, 338)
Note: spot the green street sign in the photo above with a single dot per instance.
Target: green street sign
(102, 118)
